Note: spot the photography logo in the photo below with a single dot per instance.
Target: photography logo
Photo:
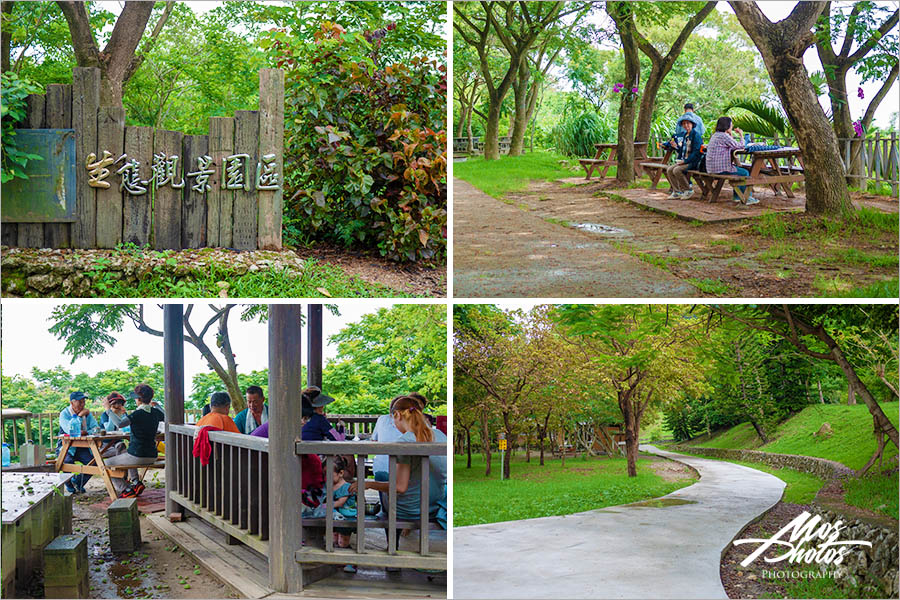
(807, 540)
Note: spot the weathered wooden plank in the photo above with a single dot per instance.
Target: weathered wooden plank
(407, 560)
(195, 152)
(398, 448)
(246, 142)
(271, 142)
(219, 201)
(253, 492)
(9, 234)
(166, 196)
(136, 207)
(264, 495)
(85, 102)
(34, 115)
(31, 235)
(110, 138)
(58, 115)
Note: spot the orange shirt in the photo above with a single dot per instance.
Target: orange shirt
(223, 422)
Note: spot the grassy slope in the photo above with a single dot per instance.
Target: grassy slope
(535, 491)
(851, 444)
(512, 173)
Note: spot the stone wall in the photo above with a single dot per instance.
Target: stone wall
(876, 569)
(820, 467)
(70, 273)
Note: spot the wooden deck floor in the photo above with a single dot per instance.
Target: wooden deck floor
(246, 571)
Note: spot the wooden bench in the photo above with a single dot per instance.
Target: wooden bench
(122, 470)
(590, 164)
(711, 184)
(655, 171)
(373, 524)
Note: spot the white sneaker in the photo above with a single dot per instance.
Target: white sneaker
(674, 195)
(752, 200)
(687, 194)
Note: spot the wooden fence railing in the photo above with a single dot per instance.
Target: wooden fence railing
(151, 186)
(232, 491)
(315, 551)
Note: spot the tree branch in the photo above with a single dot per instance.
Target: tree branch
(882, 92)
(86, 52)
(874, 39)
(139, 59)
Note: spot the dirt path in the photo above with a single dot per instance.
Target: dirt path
(503, 251)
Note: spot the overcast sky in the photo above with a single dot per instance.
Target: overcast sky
(26, 343)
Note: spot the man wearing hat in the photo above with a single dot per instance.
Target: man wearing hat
(691, 116)
(76, 420)
(317, 428)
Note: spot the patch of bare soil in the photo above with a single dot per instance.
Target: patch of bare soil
(734, 257)
(671, 470)
(158, 570)
(416, 279)
(749, 582)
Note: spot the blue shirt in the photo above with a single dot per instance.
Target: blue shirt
(349, 507)
(70, 423)
(385, 431)
(317, 429)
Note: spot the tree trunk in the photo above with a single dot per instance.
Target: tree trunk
(622, 15)
(630, 431)
(486, 443)
(5, 39)
(782, 46)
(821, 395)
(492, 132)
(468, 449)
(528, 448)
(851, 394)
(470, 144)
(759, 431)
(510, 439)
(520, 116)
(648, 101)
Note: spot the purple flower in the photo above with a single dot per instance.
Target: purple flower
(859, 93)
(634, 90)
(858, 128)
(618, 88)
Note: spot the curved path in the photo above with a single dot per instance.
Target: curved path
(629, 551)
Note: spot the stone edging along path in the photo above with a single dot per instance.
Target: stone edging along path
(670, 547)
(820, 467)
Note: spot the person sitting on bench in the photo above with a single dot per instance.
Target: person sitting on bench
(690, 115)
(719, 154)
(144, 422)
(76, 420)
(688, 159)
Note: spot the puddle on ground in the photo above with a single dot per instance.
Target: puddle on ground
(602, 229)
(660, 503)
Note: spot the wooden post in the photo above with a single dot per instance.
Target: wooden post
(246, 141)
(314, 345)
(85, 102)
(136, 209)
(219, 201)
(167, 198)
(193, 208)
(286, 531)
(173, 372)
(58, 116)
(271, 141)
(111, 138)
(31, 235)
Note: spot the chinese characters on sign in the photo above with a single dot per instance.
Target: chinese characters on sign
(164, 170)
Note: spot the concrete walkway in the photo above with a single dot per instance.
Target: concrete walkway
(671, 550)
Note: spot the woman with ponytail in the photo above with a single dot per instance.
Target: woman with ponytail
(409, 420)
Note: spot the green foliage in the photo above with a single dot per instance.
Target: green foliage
(15, 91)
(204, 384)
(874, 492)
(759, 118)
(576, 135)
(365, 141)
(550, 490)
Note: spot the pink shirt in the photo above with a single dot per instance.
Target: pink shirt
(718, 153)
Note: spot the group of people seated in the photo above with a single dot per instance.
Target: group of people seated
(715, 158)
(405, 422)
(142, 423)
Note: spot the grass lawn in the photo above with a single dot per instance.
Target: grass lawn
(851, 444)
(535, 491)
(513, 173)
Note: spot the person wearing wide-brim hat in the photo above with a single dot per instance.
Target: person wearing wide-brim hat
(317, 428)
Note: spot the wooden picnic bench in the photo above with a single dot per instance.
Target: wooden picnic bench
(98, 444)
(603, 164)
(764, 170)
(657, 166)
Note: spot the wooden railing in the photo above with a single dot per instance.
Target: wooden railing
(391, 557)
(232, 491)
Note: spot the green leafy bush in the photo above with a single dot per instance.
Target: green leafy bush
(576, 135)
(365, 143)
(14, 109)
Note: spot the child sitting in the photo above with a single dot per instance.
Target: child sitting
(344, 500)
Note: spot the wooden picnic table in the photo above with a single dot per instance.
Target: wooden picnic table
(656, 167)
(764, 170)
(603, 164)
(98, 444)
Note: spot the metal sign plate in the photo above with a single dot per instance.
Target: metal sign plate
(48, 195)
